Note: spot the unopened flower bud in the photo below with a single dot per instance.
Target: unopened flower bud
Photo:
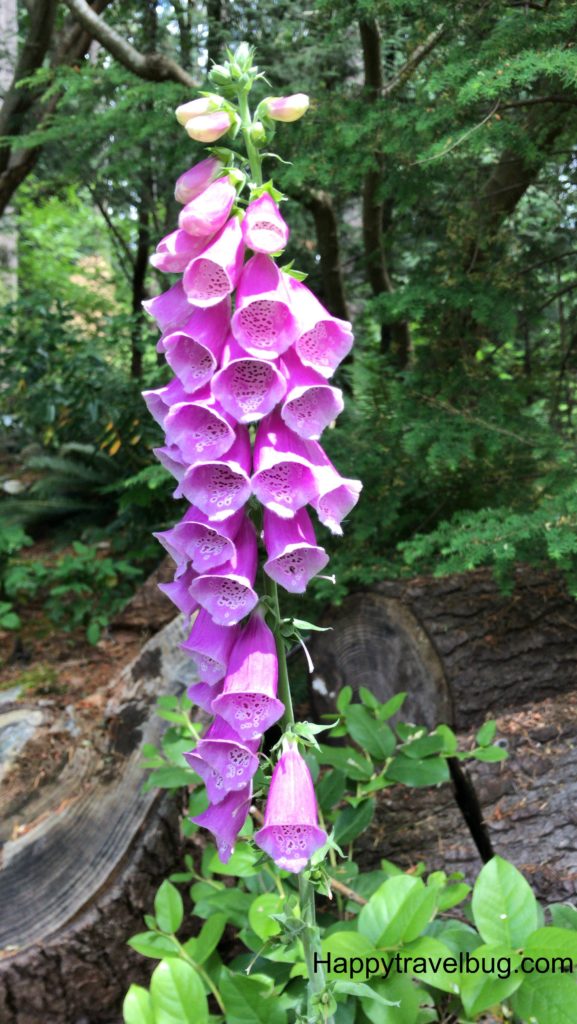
(197, 108)
(257, 133)
(209, 127)
(286, 108)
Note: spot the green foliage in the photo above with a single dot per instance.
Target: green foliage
(85, 587)
(397, 946)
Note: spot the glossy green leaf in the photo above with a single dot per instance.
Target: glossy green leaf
(178, 994)
(168, 907)
(398, 912)
(504, 907)
(137, 1006)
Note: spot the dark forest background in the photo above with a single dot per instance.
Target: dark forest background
(432, 192)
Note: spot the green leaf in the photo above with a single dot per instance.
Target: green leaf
(351, 821)
(137, 1006)
(504, 907)
(425, 746)
(486, 734)
(347, 760)
(93, 633)
(171, 778)
(168, 907)
(401, 995)
(480, 990)
(344, 698)
(546, 998)
(368, 698)
(259, 916)
(329, 790)
(345, 944)
(418, 773)
(490, 754)
(250, 1000)
(231, 902)
(177, 994)
(360, 990)
(306, 626)
(564, 915)
(391, 707)
(153, 945)
(209, 937)
(558, 942)
(377, 738)
(398, 912)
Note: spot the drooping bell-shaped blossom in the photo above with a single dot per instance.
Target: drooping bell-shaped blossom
(248, 701)
(263, 227)
(247, 387)
(197, 108)
(223, 760)
(310, 403)
(196, 539)
(170, 309)
(291, 833)
(283, 480)
(209, 127)
(200, 428)
(170, 456)
(323, 340)
(174, 253)
(193, 351)
(208, 212)
(159, 400)
(196, 179)
(213, 275)
(226, 592)
(178, 591)
(336, 495)
(221, 486)
(203, 694)
(209, 645)
(226, 819)
(293, 554)
(264, 323)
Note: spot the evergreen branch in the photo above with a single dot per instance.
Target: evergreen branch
(154, 67)
(413, 60)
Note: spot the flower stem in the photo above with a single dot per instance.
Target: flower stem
(312, 946)
(251, 150)
(284, 690)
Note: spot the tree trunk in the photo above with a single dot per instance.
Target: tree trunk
(84, 849)
(8, 229)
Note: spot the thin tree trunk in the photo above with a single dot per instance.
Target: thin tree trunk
(8, 229)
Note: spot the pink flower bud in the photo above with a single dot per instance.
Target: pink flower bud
(196, 108)
(209, 127)
(196, 179)
(286, 108)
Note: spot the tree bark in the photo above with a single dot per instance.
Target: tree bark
(321, 206)
(85, 849)
(8, 229)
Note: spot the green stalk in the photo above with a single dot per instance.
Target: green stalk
(251, 150)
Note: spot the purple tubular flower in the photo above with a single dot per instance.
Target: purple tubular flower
(197, 179)
(201, 429)
(214, 274)
(263, 322)
(283, 480)
(197, 540)
(222, 486)
(208, 212)
(203, 694)
(246, 387)
(291, 833)
(159, 401)
(263, 227)
(193, 351)
(179, 592)
(170, 309)
(210, 644)
(226, 819)
(310, 403)
(227, 592)
(323, 340)
(225, 762)
(171, 458)
(293, 555)
(336, 495)
(248, 701)
(174, 253)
